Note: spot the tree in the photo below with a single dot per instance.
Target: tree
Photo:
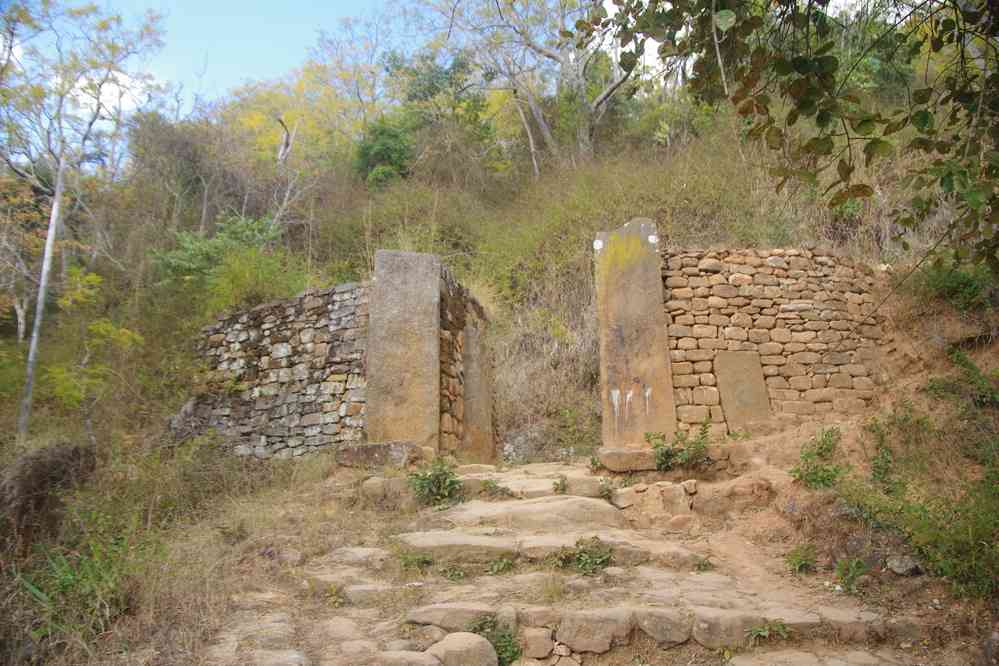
(58, 111)
(527, 44)
(793, 81)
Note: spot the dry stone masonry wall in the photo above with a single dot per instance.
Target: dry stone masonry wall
(288, 377)
(808, 315)
(400, 358)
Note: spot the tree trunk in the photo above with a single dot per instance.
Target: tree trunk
(21, 311)
(24, 416)
(530, 137)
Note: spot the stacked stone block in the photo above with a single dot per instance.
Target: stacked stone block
(807, 313)
(288, 377)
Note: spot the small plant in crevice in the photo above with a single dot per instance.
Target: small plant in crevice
(415, 561)
(769, 631)
(500, 566)
(848, 571)
(815, 468)
(589, 557)
(494, 490)
(703, 565)
(801, 559)
(452, 572)
(560, 486)
(436, 484)
(606, 490)
(595, 464)
(502, 639)
(684, 451)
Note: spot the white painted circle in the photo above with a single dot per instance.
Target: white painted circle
(598, 245)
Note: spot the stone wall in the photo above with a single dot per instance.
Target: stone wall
(286, 378)
(324, 370)
(806, 315)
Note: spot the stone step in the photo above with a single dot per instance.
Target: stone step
(597, 630)
(819, 657)
(556, 513)
(630, 548)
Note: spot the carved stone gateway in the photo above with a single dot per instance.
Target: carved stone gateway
(636, 388)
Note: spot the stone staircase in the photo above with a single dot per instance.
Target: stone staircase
(684, 583)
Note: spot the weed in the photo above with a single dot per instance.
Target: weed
(553, 589)
(589, 557)
(503, 640)
(685, 451)
(561, 485)
(452, 572)
(965, 287)
(415, 561)
(704, 564)
(500, 566)
(335, 596)
(436, 484)
(606, 490)
(595, 464)
(771, 630)
(848, 571)
(815, 469)
(801, 559)
(494, 490)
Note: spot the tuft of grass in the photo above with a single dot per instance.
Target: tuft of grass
(703, 565)
(452, 572)
(606, 490)
(769, 631)
(684, 452)
(436, 484)
(503, 640)
(815, 468)
(589, 557)
(561, 485)
(801, 559)
(415, 561)
(967, 288)
(494, 490)
(553, 589)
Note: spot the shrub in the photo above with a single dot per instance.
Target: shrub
(503, 640)
(589, 557)
(801, 559)
(500, 566)
(250, 276)
(815, 469)
(771, 630)
(965, 287)
(848, 571)
(415, 561)
(685, 451)
(436, 484)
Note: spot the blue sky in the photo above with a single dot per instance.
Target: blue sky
(212, 46)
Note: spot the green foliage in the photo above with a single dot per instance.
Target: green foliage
(415, 561)
(385, 151)
(502, 639)
(815, 469)
(249, 276)
(703, 565)
(848, 570)
(500, 566)
(685, 451)
(560, 485)
(436, 484)
(801, 559)
(966, 287)
(589, 557)
(194, 257)
(769, 631)
(606, 490)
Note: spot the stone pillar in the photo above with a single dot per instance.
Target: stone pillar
(403, 355)
(478, 443)
(635, 379)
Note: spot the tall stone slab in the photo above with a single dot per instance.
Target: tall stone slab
(636, 384)
(403, 355)
(743, 390)
(478, 441)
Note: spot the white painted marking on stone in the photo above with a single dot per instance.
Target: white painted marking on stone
(598, 245)
(627, 404)
(648, 399)
(615, 398)
(653, 239)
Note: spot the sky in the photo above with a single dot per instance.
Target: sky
(212, 46)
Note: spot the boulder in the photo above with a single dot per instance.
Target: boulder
(537, 642)
(667, 626)
(627, 460)
(455, 616)
(597, 630)
(464, 649)
(404, 658)
(450, 545)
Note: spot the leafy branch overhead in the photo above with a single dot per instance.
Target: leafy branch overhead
(797, 83)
